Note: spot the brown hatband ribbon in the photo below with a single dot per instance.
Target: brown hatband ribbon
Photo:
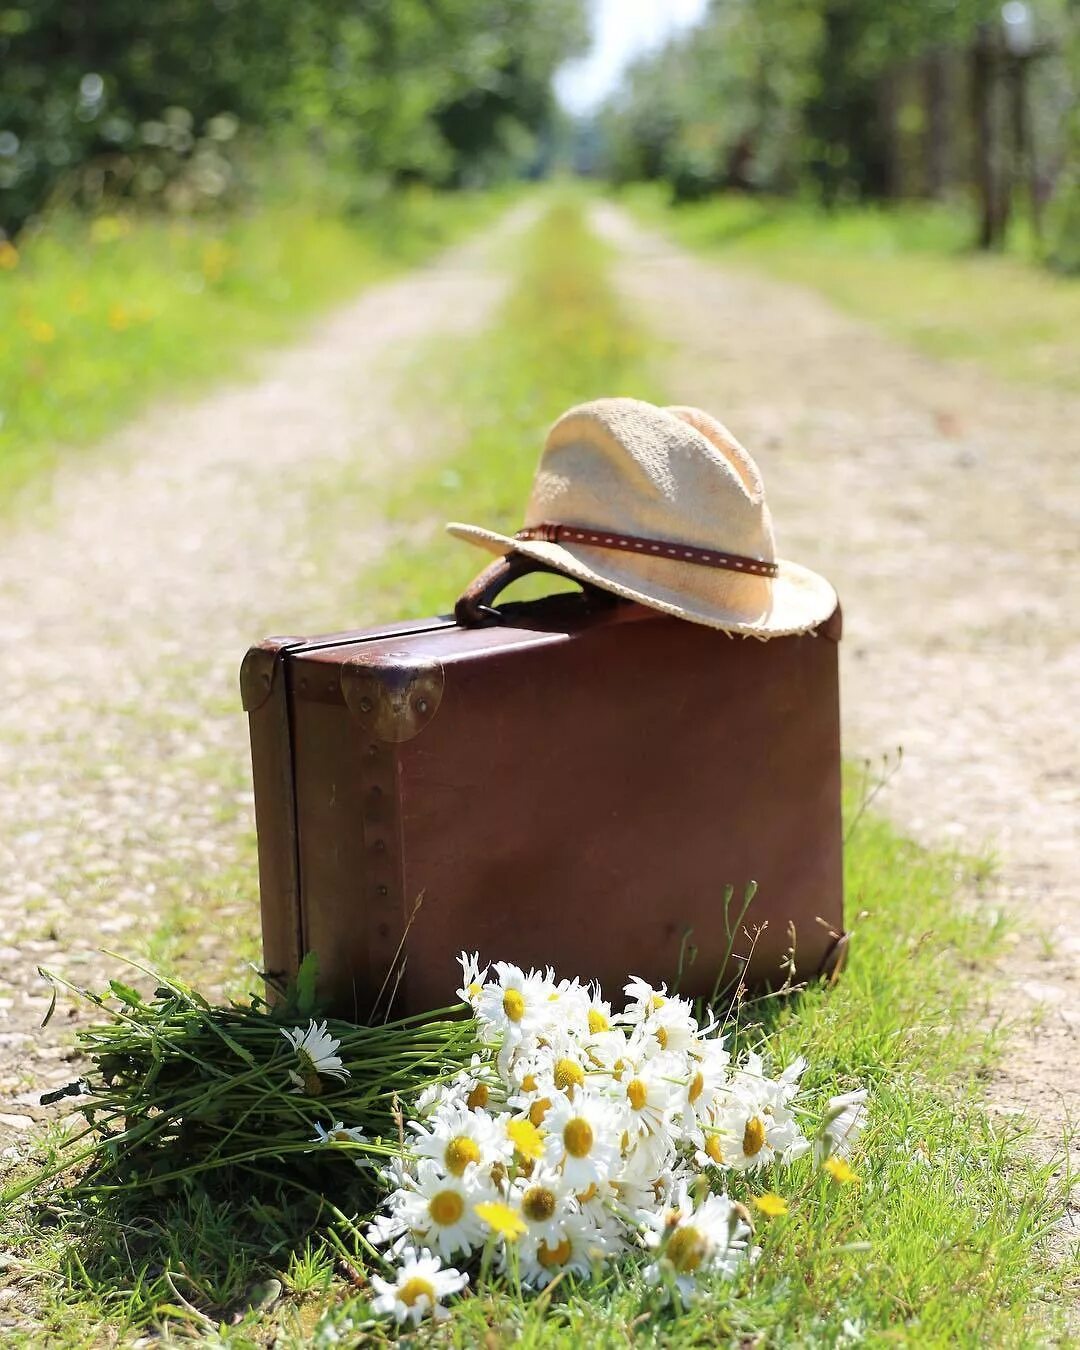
(551, 533)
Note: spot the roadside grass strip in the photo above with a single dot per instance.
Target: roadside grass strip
(97, 318)
(909, 269)
(211, 1204)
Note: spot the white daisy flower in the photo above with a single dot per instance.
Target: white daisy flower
(647, 1096)
(649, 1164)
(752, 1131)
(598, 1016)
(674, 1026)
(845, 1119)
(707, 1080)
(582, 1245)
(472, 979)
(457, 1139)
(544, 1198)
(436, 1211)
(339, 1133)
(514, 1006)
(316, 1053)
(642, 1000)
(583, 1138)
(418, 1288)
(475, 1087)
(709, 1238)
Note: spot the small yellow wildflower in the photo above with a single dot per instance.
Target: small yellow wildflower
(9, 255)
(507, 1222)
(215, 258)
(526, 1138)
(838, 1169)
(108, 228)
(770, 1204)
(119, 318)
(41, 330)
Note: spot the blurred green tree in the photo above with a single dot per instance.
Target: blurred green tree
(121, 96)
(853, 100)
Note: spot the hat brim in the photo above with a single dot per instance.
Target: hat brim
(799, 598)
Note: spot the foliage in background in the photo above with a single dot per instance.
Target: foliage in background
(97, 317)
(1065, 208)
(150, 101)
(906, 268)
(846, 100)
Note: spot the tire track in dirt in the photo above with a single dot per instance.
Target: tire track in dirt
(946, 508)
(124, 773)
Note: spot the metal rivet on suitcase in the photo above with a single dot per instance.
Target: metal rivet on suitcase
(382, 890)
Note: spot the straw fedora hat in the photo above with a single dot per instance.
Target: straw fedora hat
(662, 506)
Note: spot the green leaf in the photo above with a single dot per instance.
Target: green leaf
(125, 994)
(306, 978)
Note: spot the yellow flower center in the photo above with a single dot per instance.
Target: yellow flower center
(539, 1110)
(661, 1036)
(538, 1204)
(446, 1208)
(478, 1097)
(753, 1140)
(568, 1075)
(685, 1249)
(529, 1083)
(416, 1288)
(598, 1022)
(553, 1256)
(474, 989)
(460, 1152)
(697, 1087)
(637, 1093)
(618, 1069)
(713, 1150)
(657, 1001)
(578, 1137)
(514, 1004)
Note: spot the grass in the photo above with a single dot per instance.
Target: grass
(96, 318)
(908, 269)
(940, 1241)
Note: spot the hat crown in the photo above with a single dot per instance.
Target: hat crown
(665, 508)
(673, 474)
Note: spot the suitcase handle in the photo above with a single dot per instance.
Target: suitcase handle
(476, 607)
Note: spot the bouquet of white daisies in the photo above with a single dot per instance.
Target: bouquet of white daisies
(538, 1139)
(581, 1134)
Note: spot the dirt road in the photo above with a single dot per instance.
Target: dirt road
(946, 509)
(123, 618)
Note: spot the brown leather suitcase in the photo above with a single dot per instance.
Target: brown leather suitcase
(574, 781)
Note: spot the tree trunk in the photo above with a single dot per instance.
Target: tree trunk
(990, 230)
(936, 127)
